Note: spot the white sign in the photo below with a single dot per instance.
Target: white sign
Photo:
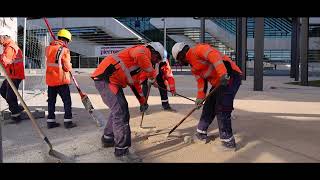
(11, 24)
(106, 50)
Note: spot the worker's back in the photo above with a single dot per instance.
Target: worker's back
(58, 64)
(129, 62)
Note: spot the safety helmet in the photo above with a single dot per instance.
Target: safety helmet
(65, 33)
(5, 32)
(165, 56)
(177, 48)
(157, 47)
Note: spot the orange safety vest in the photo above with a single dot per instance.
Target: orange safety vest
(167, 75)
(58, 64)
(11, 59)
(129, 62)
(207, 64)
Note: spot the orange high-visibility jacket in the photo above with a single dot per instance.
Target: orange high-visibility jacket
(167, 75)
(129, 62)
(207, 64)
(11, 59)
(58, 64)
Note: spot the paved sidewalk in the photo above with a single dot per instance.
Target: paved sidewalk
(279, 124)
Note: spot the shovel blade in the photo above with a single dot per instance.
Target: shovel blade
(62, 158)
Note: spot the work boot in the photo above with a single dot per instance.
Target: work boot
(15, 120)
(229, 145)
(129, 158)
(200, 137)
(21, 108)
(69, 125)
(51, 125)
(107, 142)
(169, 108)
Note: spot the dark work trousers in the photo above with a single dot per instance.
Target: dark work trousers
(163, 93)
(8, 94)
(220, 104)
(118, 122)
(64, 93)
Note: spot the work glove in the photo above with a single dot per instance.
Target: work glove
(224, 80)
(153, 82)
(173, 92)
(198, 101)
(144, 107)
(142, 100)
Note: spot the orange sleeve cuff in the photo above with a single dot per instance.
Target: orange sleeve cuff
(201, 95)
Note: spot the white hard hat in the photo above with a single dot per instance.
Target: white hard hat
(5, 32)
(177, 48)
(165, 56)
(157, 47)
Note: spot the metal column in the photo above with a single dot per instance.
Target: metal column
(202, 29)
(297, 62)
(164, 34)
(258, 53)
(241, 45)
(293, 48)
(24, 52)
(79, 63)
(304, 50)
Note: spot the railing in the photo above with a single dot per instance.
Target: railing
(143, 26)
(85, 61)
(314, 30)
(273, 55)
(273, 27)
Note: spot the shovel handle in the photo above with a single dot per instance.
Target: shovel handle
(177, 94)
(34, 123)
(148, 93)
(176, 126)
(49, 28)
(82, 95)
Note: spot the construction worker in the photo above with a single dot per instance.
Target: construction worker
(115, 72)
(11, 59)
(164, 79)
(209, 65)
(58, 78)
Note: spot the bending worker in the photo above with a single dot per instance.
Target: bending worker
(11, 60)
(114, 73)
(210, 65)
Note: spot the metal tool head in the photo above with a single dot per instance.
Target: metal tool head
(61, 157)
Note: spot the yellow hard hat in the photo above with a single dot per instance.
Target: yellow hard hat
(65, 33)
